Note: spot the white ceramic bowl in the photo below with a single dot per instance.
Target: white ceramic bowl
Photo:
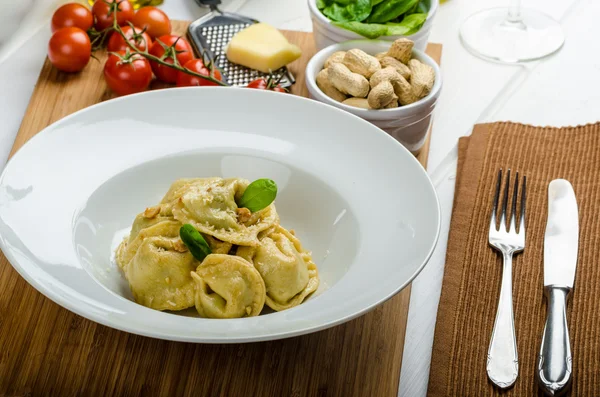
(356, 198)
(326, 33)
(408, 124)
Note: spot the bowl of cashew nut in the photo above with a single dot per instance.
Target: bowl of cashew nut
(390, 84)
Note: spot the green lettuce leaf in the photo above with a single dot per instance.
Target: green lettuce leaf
(322, 4)
(388, 10)
(409, 25)
(413, 9)
(357, 10)
(368, 30)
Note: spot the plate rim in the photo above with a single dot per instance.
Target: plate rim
(105, 321)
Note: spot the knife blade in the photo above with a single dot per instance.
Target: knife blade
(562, 235)
(561, 243)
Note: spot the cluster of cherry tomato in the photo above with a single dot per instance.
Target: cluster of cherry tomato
(150, 47)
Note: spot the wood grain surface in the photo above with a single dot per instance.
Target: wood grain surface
(47, 350)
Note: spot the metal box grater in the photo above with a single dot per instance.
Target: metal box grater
(212, 33)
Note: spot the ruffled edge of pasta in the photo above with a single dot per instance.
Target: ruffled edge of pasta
(246, 237)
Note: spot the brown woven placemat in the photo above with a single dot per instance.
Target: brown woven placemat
(471, 284)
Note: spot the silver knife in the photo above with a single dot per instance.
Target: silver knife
(560, 260)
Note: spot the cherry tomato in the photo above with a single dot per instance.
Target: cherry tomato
(72, 14)
(263, 84)
(184, 54)
(104, 11)
(69, 49)
(156, 22)
(196, 65)
(141, 41)
(127, 74)
(259, 84)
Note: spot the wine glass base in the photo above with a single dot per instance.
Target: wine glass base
(492, 35)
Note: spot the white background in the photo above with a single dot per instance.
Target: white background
(560, 90)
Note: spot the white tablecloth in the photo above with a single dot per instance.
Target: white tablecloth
(560, 90)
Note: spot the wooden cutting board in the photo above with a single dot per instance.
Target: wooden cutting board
(47, 350)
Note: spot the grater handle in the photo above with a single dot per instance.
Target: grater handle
(212, 4)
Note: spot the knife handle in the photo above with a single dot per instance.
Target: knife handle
(555, 361)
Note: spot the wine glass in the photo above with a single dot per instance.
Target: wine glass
(511, 34)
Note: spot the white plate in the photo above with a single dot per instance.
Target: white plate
(359, 200)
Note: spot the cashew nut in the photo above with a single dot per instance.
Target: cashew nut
(401, 49)
(401, 68)
(357, 102)
(152, 212)
(381, 95)
(337, 56)
(328, 89)
(347, 82)
(423, 77)
(360, 62)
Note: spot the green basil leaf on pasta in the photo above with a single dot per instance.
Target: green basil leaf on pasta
(258, 195)
(194, 241)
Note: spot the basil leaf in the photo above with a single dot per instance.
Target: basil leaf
(375, 2)
(409, 25)
(258, 195)
(422, 8)
(390, 9)
(194, 241)
(358, 10)
(368, 30)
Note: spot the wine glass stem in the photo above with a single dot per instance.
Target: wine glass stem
(514, 12)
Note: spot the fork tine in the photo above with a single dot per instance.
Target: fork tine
(522, 220)
(513, 206)
(505, 202)
(495, 205)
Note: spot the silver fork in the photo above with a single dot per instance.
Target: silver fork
(502, 360)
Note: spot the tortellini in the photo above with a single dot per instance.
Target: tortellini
(158, 225)
(143, 221)
(288, 270)
(228, 287)
(152, 261)
(210, 206)
(129, 247)
(180, 185)
(159, 274)
(253, 261)
(177, 189)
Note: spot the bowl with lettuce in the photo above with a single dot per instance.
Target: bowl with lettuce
(336, 21)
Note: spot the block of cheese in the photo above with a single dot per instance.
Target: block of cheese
(261, 47)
